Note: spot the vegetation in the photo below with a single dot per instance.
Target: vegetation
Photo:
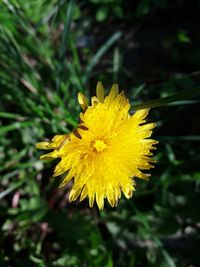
(51, 50)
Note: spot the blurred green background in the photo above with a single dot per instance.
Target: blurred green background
(50, 50)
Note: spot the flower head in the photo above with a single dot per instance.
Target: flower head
(106, 151)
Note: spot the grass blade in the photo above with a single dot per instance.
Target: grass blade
(11, 188)
(168, 99)
(15, 126)
(101, 52)
(11, 116)
(63, 46)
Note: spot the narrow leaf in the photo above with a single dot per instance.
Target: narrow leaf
(168, 99)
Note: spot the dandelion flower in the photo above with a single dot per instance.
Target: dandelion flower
(106, 151)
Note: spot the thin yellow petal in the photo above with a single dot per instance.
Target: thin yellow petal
(42, 145)
(114, 90)
(65, 181)
(82, 100)
(100, 200)
(113, 93)
(74, 194)
(91, 200)
(100, 92)
(94, 100)
(49, 156)
(83, 193)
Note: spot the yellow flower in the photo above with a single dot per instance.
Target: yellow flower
(106, 151)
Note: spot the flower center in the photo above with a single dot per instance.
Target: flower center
(99, 145)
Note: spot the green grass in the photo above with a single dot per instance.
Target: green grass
(51, 50)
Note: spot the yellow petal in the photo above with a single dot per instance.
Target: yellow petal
(128, 192)
(74, 194)
(65, 181)
(113, 92)
(94, 100)
(83, 193)
(100, 92)
(42, 145)
(82, 100)
(100, 200)
(49, 156)
(140, 114)
(91, 200)
(146, 127)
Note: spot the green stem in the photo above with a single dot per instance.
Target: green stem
(166, 100)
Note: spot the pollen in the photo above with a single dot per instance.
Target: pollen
(99, 145)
